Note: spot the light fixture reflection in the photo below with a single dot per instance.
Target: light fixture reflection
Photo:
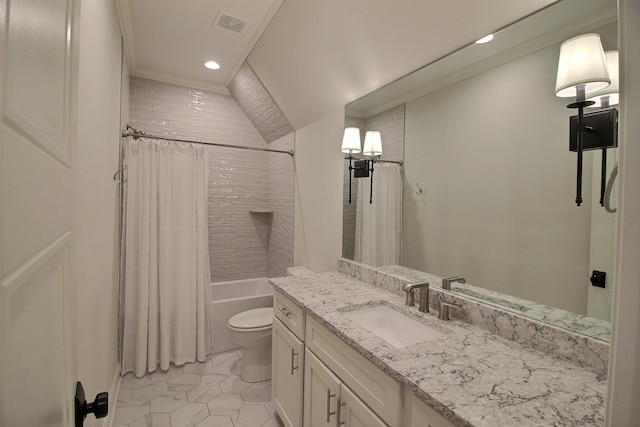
(610, 95)
(582, 69)
(212, 65)
(485, 39)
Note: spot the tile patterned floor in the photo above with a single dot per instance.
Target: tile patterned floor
(209, 394)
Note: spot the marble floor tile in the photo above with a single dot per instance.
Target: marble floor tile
(225, 404)
(203, 393)
(257, 393)
(250, 415)
(189, 415)
(216, 421)
(168, 402)
(208, 394)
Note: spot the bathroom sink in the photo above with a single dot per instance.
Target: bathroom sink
(392, 326)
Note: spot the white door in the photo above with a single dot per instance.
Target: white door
(38, 73)
(287, 371)
(321, 393)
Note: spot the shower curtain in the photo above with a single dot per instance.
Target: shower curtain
(379, 224)
(165, 256)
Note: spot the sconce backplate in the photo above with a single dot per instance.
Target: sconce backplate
(602, 130)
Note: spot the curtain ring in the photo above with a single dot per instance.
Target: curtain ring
(119, 175)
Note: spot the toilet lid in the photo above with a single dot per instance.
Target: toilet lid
(256, 318)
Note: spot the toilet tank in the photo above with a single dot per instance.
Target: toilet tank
(298, 271)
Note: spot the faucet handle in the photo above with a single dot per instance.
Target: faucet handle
(410, 299)
(444, 310)
(447, 281)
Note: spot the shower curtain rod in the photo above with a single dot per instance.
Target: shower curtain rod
(135, 133)
(397, 162)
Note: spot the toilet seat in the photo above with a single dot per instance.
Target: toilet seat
(256, 320)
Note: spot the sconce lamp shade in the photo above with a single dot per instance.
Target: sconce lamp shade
(581, 62)
(351, 140)
(372, 143)
(612, 90)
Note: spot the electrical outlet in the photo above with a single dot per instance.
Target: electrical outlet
(598, 278)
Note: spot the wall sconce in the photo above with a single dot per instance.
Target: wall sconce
(582, 69)
(609, 96)
(351, 145)
(608, 117)
(372, 147)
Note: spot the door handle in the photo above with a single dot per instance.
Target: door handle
(99, 407)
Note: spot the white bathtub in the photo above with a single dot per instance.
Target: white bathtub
(231, 298)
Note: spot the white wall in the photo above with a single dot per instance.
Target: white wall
(624, 371)
(318, 193)
(97, 209)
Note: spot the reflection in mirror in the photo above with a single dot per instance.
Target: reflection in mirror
(488, 178)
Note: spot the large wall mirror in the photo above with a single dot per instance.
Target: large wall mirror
(488, 180)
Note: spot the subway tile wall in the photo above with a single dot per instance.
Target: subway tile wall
(390, 123)
(241, 233)
(258, 105)
(281, 201)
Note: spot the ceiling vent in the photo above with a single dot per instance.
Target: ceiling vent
(230, 23)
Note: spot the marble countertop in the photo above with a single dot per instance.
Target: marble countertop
(472, 377)
(576, 323)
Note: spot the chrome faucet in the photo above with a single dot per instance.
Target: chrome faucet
(444, 310)
(446, 283)
(424, 295)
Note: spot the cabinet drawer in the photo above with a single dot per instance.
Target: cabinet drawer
(374, 387)
(289, 314)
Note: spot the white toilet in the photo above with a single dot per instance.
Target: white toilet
(252, 330)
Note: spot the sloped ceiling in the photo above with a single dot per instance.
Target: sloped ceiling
(170, 40)
(312, 56)
(317, 56)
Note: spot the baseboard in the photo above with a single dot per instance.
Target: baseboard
(114, 393)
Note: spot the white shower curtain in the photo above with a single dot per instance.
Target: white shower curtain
(379, 224)
(165, 256)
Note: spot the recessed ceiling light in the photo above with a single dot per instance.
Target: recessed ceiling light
(212, 65)
(485, 39)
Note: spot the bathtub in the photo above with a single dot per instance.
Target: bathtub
(231, 298)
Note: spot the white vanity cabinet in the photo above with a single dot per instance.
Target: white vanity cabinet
(287, 360)
(381, 393)
(328, 402)
(319, 380)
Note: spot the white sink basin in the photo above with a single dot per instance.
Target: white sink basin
(392, 326)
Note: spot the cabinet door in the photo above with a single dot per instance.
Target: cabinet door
(287, 374)
(354, 413)
(321, 392)
(419, 414)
